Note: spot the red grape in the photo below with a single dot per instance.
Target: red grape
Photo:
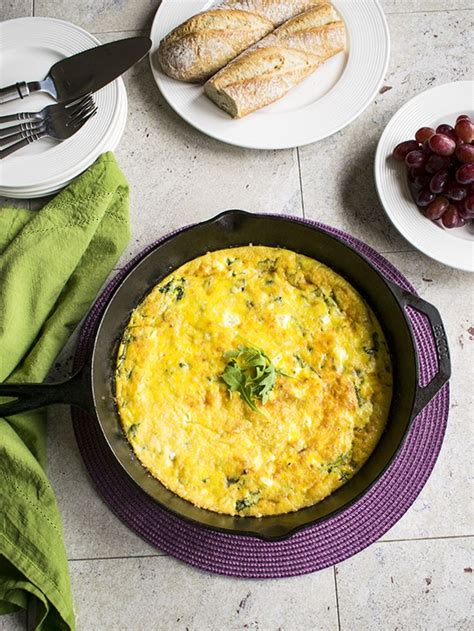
(465, 130)
(465, 174)
(436, 163)
(465, 153)
(414, 172)
(447, 130)
(454, 191)
(466, 208)
(443, 128)
(404, 148)
(424, 197)
(451, 218)
(442, 145)
(421, 180)
(468, 204)
(424, 133)
(439, 180)
(436, 208)
(425, 147)
(415, 159)
(440, 169)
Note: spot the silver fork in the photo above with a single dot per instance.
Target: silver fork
(41, 115)
(15, 132)
(59, 122)
(47, 114)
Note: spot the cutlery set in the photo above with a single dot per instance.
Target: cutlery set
(71, 83)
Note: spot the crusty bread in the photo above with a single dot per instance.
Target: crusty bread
(268, 70)
(277, 12)
(207, 41)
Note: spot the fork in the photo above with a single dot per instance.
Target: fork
(50, 112)
(41, 115)
(59, 124)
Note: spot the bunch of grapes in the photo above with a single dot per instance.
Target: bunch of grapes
(440, 166)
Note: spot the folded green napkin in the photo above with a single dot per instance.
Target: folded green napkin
(52, 264)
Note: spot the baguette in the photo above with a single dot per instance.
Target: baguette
(269, 69)
(207, 41)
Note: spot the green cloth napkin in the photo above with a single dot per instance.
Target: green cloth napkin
(52, 264)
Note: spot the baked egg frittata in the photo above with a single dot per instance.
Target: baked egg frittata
(253, 381)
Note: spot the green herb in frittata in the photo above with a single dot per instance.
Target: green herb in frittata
(251, 373)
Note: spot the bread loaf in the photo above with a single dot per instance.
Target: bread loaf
(207, 41)
(268, 70)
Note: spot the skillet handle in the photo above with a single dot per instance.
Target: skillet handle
(31, 396)
(424, 394)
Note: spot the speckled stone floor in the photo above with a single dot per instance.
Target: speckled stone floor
(419, 575)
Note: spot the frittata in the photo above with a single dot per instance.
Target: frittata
(253, 381)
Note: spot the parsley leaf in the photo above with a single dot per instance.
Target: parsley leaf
(251, 373)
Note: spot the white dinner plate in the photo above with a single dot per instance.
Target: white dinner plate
(29, 47)
(323, 104)
(442, 104)
(110, 144)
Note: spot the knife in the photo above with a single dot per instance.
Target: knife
(86, 72)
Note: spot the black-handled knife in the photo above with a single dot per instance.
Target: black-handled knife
(86, 72)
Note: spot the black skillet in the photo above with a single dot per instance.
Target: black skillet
(92, 388)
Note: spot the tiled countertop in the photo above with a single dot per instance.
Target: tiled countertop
(419, 575)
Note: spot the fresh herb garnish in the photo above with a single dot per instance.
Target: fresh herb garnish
(360, 398)
(233, 480)
(344, 466)
(340, 461)
(132, 430)
(373, 350)
(174, 286)
(251, 373)
(251, 499)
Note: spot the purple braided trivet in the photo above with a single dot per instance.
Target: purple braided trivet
(309, 550)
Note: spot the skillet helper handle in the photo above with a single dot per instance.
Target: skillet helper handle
(424, 394)
(31, 396)
(13, 92)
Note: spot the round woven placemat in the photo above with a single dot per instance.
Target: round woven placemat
(311, 549)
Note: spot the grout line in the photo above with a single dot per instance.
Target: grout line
(33, 8)
(120, 558)
(337, 598)
(301, 181)
(441, 538)
(164, 555)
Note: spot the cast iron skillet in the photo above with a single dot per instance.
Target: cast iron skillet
(92, 388)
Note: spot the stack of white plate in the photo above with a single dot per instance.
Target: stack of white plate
(28, 49)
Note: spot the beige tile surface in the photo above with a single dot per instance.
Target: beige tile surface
(120, 15)
(407, 582)
(16, 9)
(423, 6)
(164, 595)
(408, 586)
(337, 173)
(13, 621)
(101, 15)
(18, 203)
